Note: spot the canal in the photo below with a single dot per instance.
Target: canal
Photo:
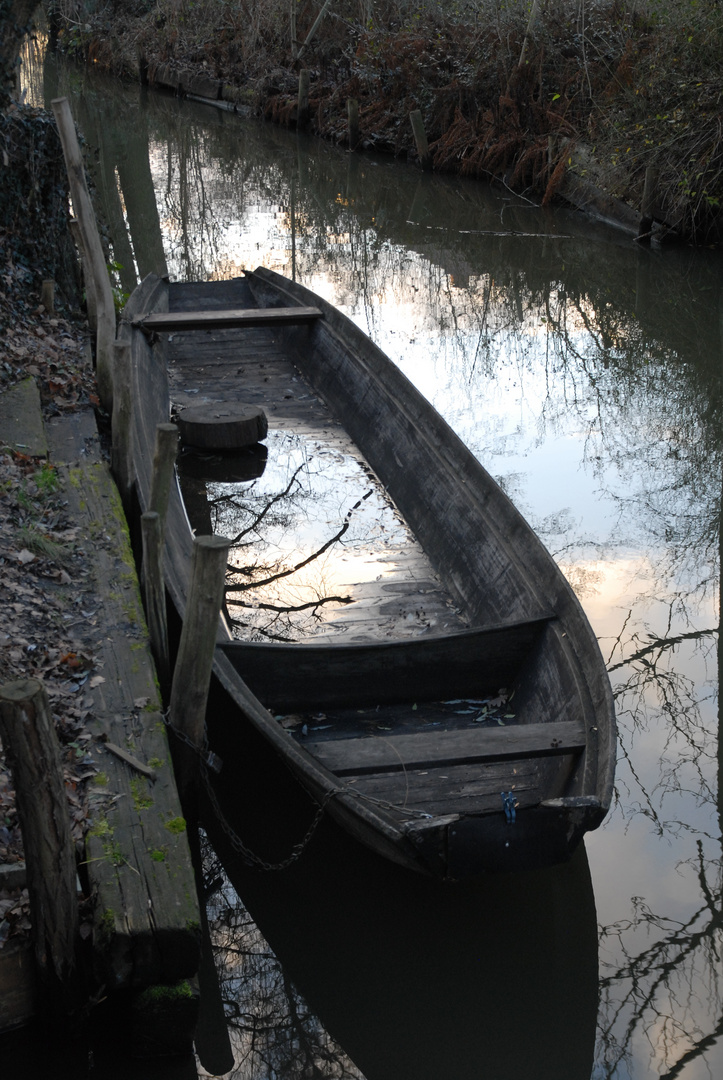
(584, 371)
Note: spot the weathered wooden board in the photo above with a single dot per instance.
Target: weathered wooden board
(466, 664)
(473, 789)
(395, 753)
(21, 423)
(146, 925)
(17, 984)
(172, 322)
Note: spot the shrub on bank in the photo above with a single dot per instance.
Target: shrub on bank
(507, 89)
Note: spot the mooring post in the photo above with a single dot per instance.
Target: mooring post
(194, 663)
(90, 301)
(649, 202)
(164, 460)
(154, 594)
(352, 113)
(420, 139)
(302, 107)
(33, 752)
(93, 250)
(121, 427)
(47, 296)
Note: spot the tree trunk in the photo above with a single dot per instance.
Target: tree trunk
(15, 19)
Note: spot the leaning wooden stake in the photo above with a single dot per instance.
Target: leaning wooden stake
(155, 595)
(88, 283)
(420, 139)
(33, 751)
(649, 204)
(352, 112)
(302, 106)
(83, 209)
(121, 426)
(314, 27)
(192, 673)
(164, 460)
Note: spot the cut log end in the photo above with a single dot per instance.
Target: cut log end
(222, 425)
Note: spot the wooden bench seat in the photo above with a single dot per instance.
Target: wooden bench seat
(229, 319)
(392, 753)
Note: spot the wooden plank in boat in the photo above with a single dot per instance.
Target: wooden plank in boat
(444, 789)
(392, 753)
(233, 318)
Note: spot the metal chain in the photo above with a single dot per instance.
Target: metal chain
(207, 759)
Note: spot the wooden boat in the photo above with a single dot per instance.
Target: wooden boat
(484, 737)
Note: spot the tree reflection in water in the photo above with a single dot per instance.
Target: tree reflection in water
(273, 1032)
(585, 374)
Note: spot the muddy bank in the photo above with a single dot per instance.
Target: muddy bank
(555, 106)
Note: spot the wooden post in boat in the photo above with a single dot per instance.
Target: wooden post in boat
(95, 259)
(33, 751)
(352, 112)
(192, 673)
(154, 595)
(121, 458)
(420, 139)
(164, 461)
(302, 107)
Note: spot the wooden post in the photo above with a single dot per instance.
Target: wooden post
(121, 458)
(192, 673)
(302, 107)
(292, 29)
(83, 209)
(420, 139)
(649, 202)
(314, 27)
(47, 296)
(33, 751)
(164, 461)
(352, 112)
(154, 591)
(528, 32)
(90, 302)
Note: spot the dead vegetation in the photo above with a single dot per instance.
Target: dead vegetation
(506, 90)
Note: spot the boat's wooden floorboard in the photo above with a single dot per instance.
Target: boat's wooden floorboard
(403, 595)
(476, 789)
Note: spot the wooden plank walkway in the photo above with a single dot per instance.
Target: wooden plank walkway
(137, 865)
(146, 917)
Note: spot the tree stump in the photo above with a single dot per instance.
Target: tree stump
(222, 425)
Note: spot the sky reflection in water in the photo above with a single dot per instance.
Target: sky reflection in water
(585, 374)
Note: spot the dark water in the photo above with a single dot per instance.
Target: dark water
(585, 372)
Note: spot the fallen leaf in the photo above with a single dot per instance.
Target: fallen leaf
(25, 556)
(96, 681)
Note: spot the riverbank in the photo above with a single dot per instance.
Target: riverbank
(602, 102)
(73, 621)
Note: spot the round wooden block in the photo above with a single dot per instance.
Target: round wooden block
(222, 425)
